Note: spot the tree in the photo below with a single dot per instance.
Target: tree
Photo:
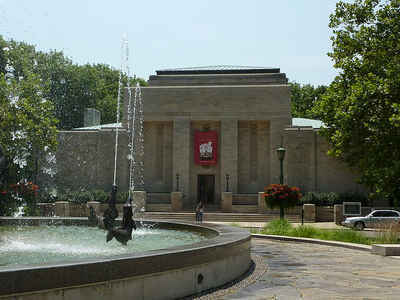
(361, 107)
(304, 98)
(26, 117)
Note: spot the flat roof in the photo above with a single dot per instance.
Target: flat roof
(302, 122)
(218, 69)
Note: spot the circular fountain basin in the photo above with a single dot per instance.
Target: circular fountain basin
(208, 256)
(23, 245)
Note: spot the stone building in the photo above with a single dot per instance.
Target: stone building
(217, 130)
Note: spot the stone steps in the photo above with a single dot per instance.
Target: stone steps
(220, 217)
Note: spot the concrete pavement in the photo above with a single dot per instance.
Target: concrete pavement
(308, 271)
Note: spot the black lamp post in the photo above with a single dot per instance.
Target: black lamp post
(227, 182)
(281, 155)
(177, 182)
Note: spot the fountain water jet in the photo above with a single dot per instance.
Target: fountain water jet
(124, 233)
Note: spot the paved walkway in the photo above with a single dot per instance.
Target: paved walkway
(308, 271)
(322, 225)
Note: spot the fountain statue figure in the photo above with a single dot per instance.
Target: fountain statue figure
(123, 233)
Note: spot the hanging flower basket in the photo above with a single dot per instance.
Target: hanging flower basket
(281, 195)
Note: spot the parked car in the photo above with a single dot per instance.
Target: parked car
(376, 218)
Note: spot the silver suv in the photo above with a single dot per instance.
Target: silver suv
(376, 218)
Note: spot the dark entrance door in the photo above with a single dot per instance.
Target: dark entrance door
(205, 188)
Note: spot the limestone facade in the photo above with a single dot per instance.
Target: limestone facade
(250, 111)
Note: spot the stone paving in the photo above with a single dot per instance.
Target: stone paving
(309, 271)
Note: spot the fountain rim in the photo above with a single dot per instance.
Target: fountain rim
(228, 241)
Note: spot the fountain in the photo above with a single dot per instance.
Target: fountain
(67, 258)
(136, 177)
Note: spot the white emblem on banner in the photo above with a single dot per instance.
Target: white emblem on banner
(206, 151)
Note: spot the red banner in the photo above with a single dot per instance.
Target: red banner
(205, 147)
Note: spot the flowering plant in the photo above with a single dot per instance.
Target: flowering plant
(25, 189)
(21, 193)
(281, 195)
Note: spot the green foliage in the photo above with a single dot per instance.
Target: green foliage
(122, 197)
(304, 98)
(8, 204)
(28, 127)
(354, 197)
(389, 235)
(100, 196)
(361, 107)
(46, 197)
(283, 227)
(78, 197)
(69, 87)
(42, 92)
(278, 227)
(305, 231)
(330, 199)
(321, 199)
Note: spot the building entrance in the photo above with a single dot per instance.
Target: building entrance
(206, 189)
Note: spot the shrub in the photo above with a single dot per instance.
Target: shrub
(8, 203)
(321, 199)
(122, 197)
(388, 234)
(306, 231)
(78, 197)
(278, 227)
(46, 197)
(100, 196)
(349, 236)
(353, 197)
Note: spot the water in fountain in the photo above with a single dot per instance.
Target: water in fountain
(24, 244)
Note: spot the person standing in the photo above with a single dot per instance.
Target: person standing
(199, 212)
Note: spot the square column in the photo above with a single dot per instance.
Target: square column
(181, 156)
(276, 132)
(229, 154)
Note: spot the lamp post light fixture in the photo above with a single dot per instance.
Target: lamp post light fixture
(177, 182)
(281, 155)
(227, 182)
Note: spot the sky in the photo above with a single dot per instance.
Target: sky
(292, 35)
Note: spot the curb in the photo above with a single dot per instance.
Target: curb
(313, 241)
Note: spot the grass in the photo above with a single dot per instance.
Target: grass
(283, 227)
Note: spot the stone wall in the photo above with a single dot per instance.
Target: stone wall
(308, 166)
(254, 158)
(85, 160)
(158, 156)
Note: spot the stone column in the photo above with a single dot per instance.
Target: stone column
(176, 201)
(62, 209)
(309, 213)
(229, 155)
(338, 217)
(46, 209)
(226, 202)
(95, 205)
(181, 156)
(262, 207)
(139, 199)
